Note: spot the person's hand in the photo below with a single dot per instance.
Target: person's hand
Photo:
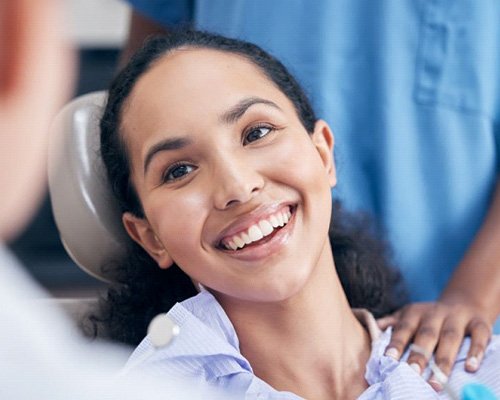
(438, 328)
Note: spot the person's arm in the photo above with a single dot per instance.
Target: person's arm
(140, 28)
(469, 305)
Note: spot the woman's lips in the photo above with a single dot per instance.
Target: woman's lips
(267, 244)
(257, 231)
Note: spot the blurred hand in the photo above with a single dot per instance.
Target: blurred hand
(36, 78)
(438, 328)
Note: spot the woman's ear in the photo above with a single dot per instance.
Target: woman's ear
(141, 232)
(324, 141)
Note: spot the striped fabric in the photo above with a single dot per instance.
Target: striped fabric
(207, 352)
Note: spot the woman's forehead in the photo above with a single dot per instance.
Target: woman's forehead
(201, 74)
(198, 83)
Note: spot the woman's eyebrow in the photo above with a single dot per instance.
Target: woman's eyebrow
(230, 116)
(237, 111)
(164, 145)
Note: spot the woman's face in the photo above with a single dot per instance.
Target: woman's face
(233, 188)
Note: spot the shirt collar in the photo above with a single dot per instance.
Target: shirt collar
(367, 319)
(208, 341)
(202, 320)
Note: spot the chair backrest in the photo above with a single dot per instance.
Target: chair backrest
(85, 211)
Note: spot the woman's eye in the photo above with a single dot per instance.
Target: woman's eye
(256, 133)
(177, 172)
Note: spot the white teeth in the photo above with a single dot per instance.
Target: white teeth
(238, 241)
(259, 230)
(255, 233)
(265, 227)
(274, 221)
(279, 217)
(284, 218)
(246, 238)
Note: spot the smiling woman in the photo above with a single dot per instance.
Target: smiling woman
(224, 176)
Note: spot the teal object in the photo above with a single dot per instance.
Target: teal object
(476, 391)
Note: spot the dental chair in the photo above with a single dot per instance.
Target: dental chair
(86, 214)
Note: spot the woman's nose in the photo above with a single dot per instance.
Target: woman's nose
(235, 181)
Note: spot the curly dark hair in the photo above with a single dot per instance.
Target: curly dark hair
(144, 290)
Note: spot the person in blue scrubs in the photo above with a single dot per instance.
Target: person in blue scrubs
(411, 90)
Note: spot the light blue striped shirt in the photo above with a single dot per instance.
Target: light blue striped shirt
(207, 353)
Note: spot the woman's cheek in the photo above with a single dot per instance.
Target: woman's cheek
(178, 221)
(301, 162)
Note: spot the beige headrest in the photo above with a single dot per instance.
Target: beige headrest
(86, 213)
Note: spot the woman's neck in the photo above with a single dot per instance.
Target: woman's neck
(310, 344)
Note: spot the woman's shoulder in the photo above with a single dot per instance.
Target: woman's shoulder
(206, 344)
(206, 351)
(392, 378)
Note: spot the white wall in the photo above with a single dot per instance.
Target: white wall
(97, 23)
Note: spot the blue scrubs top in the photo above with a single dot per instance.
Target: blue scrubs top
(411, 89)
